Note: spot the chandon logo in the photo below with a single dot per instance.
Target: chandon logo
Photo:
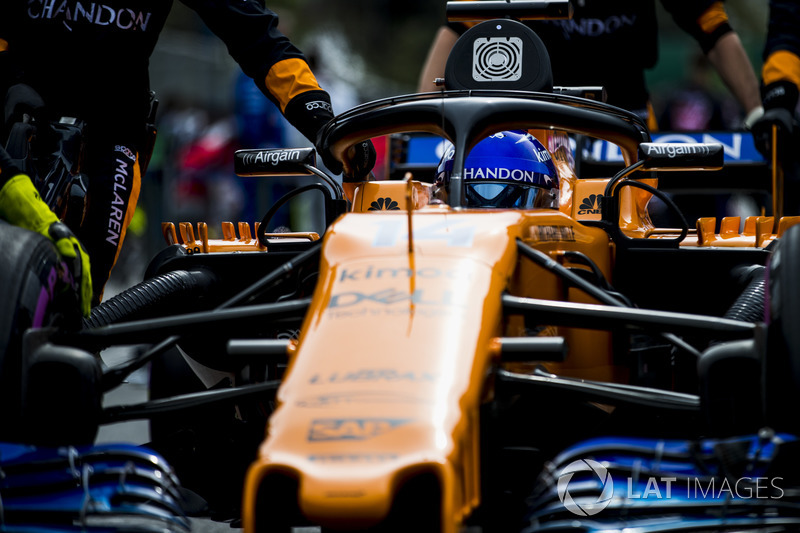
(96, 14)
(590, 205)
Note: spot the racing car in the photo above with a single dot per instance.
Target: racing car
(449, 346)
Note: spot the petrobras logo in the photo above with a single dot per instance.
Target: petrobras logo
(126, 151)
(507, 174)
(273, 157)
(588, 506)
(91, 13)
(319, 104)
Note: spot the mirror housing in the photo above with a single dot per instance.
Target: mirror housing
(681, 156)
(274, 162)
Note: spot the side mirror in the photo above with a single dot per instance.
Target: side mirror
(275, 162)
(681, 156)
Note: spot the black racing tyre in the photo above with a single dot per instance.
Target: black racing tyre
(781, 364)
(209, 447)
(35, 294)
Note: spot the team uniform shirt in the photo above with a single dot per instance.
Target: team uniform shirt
(89, 59)
(611, 43)
(782, 49)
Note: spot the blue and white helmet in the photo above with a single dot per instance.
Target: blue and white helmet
(510, 169)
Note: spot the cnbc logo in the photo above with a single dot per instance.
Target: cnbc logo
(590, 205)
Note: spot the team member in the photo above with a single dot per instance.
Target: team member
(89, 59)
(780, 76)
(611, 43)
(21, 205)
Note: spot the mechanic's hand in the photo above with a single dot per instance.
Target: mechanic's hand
(21, 205)
(70, 248)
(762, 131)
(780, 99)
(359, 161)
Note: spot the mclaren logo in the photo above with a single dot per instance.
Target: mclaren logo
(271, 156)
(590, 205)
(329, 429)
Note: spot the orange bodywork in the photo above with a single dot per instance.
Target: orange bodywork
(389, 372)
(386, 380)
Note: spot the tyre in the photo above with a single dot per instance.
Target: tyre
(781, 363)
(35, 295)
(210, 447)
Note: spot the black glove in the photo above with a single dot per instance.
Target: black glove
(359, 161)
(780, 100)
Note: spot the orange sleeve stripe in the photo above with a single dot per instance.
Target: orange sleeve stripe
(781, 65)
(3, 45)
(713, 18)
(288, 78)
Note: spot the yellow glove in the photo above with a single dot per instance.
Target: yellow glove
(21, 205)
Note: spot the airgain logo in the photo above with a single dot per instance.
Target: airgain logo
(589, 474)
(590, 205)
(384, 204)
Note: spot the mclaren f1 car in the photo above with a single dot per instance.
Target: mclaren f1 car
(462, 348)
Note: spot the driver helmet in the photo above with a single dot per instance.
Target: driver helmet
(510, 169)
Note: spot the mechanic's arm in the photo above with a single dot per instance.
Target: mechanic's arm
(434, 65)
(780, 76)
(707, 22)
(733, 65)
(279, 69)
(21, 205)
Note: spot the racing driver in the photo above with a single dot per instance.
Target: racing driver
(89, 59)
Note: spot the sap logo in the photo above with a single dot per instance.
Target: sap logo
(394, 232)
(330, 429)
(390, 296)
(590, 205)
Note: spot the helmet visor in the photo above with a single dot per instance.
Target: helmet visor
(505, 195)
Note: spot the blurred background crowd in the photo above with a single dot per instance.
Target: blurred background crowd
(360, 50)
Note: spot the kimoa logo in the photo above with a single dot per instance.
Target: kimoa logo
(590, 205)
(588, 505)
